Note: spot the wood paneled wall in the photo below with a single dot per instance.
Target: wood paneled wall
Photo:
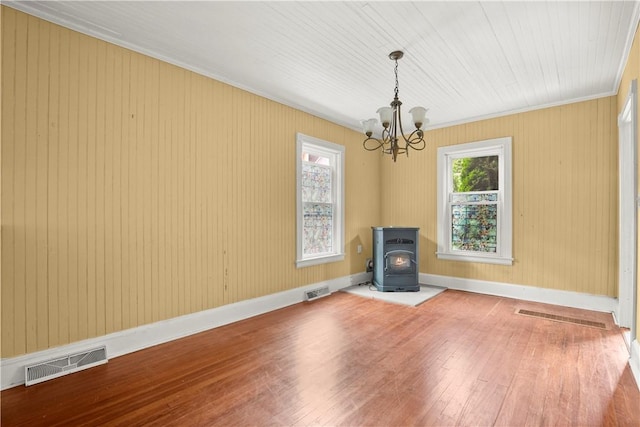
(564, 197)
(135, 191)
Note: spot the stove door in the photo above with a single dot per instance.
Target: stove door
(400, 262)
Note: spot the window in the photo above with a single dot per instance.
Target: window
(320, 201)
(474, 202)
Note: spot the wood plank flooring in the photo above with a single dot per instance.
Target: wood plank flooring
(344, 360)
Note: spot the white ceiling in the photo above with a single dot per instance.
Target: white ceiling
(463, 60)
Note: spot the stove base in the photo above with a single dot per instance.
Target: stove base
(397, 288)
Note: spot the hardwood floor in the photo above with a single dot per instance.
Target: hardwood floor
(458, 359)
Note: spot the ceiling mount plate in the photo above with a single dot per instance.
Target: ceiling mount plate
(396, 54)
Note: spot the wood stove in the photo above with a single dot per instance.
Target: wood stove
(395, 259)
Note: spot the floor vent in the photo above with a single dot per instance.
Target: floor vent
(564, 319)
(312, 294)
(55, 368)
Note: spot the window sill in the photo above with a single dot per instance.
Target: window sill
(475, 258)
(319, 260)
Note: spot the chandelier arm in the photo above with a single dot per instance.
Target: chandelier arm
(417, 145)
(398, 104)
(386, 135)
(379, 144)
(415, 140)
(391, 130)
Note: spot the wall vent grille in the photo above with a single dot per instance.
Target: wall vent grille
(563, 319)
(58, 367)
(312, 294)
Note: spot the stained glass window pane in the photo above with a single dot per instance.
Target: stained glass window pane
(474, 228)
(317, 221)
(474, 197)
(317, 228)
(316, 183)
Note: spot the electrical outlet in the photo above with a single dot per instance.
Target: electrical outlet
(359, 249)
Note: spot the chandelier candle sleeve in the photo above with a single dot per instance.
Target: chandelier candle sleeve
(391, 120)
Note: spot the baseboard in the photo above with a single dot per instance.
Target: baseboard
(131, 340)
(634, 361)
(527, 293)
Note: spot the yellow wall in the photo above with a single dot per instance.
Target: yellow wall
(631, 72)
(564, 197)
(135, 191)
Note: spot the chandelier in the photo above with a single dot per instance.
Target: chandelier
(393, 140)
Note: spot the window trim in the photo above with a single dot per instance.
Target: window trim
(489, 147)
(336, 153)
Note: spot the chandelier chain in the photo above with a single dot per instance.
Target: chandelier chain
(396, 71)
